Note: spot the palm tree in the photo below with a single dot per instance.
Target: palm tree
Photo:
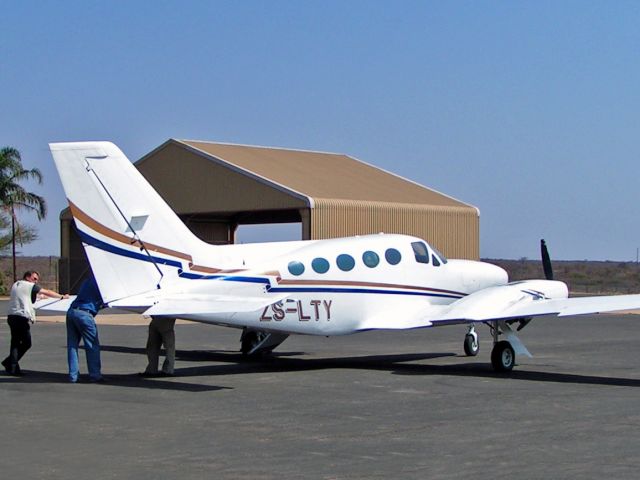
(13, 196)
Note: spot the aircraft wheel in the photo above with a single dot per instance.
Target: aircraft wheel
(503, 358)
(471, 345)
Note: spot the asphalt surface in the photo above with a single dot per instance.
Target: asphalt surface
(376, 405)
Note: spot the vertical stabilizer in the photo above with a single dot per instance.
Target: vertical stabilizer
(134, 241)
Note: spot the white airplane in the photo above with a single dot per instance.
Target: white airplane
(146, 260)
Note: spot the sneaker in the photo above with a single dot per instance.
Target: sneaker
(149, 375)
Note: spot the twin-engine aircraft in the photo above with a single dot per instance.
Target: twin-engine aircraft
(146, 260)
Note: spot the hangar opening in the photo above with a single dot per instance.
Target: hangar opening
(227, 193)
(269, 232)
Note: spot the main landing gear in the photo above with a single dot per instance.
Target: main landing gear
(503, 354)
(503, 358)
(254, 343)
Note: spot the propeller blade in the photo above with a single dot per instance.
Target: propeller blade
(546, 260)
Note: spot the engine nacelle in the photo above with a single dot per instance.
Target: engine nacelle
(501, 301)
(545, 288)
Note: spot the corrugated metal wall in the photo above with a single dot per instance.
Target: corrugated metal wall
(453, 230)
(203, 185)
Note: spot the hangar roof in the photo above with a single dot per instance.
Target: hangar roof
(318, 174)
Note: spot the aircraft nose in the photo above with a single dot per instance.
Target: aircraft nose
(497, 275)
(477, 275)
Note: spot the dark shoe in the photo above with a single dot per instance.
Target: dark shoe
(97, 380)
(149, 375)
(6, 363)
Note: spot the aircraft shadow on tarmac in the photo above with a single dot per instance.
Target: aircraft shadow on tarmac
(235, 363)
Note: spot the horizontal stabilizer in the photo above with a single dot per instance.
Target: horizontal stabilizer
(54, 304)
(189, 304)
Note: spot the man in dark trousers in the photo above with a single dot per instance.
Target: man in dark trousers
(161, 332)
(81, 324)
(21, 315)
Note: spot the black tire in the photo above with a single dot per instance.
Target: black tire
(503, 358)
(471, 345)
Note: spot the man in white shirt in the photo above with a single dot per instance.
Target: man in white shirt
(21, 314)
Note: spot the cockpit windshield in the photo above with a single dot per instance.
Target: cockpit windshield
(420, 251)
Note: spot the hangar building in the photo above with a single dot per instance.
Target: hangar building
(216, 187)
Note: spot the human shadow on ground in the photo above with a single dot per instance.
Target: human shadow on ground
(111, 380)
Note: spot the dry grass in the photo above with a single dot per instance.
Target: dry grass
(581, 276)
(46, 266)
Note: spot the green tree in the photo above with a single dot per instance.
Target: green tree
(14, 197)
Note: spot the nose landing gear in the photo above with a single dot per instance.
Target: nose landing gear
(471, 344)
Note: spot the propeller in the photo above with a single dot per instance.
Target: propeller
(546, 260)
(548, 273)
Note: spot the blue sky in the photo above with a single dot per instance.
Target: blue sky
(528, 110)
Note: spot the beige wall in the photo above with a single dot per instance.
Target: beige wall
(452, 230)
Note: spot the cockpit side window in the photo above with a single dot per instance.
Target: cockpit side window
(420, 251)
(443, 259)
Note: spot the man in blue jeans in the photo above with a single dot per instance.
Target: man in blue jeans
(81, 325)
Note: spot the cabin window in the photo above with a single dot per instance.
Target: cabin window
(296, 268)
(320, 265)
(345, 262)
(392, 256)
(434, 259)
(370, 259)
(420, 251)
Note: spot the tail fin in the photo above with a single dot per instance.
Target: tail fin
(133, 240)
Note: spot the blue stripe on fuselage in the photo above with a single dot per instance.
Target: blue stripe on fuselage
(359, 290)
(94, 242)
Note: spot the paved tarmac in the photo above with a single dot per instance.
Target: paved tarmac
(376, 405)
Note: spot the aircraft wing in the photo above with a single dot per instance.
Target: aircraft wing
(501, 303)
(576, 306)
(198, 304)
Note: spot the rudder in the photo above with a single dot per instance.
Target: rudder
(134, 241)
